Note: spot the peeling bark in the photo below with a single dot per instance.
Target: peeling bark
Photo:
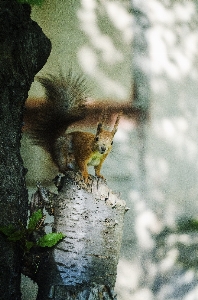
(23, 51)
(84, 264)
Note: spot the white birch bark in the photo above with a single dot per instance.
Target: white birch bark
(84, 264)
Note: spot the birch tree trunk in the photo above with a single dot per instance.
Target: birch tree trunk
(84, 264)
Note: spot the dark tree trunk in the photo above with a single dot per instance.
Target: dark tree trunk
(23, 52)
(141, 82)
(141, 60)
(84, 264)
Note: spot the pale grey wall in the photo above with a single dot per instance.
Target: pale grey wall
(93, 38)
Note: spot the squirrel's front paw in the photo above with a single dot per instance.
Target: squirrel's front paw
(100, 176)
(85, 176)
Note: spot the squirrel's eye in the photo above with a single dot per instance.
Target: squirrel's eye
(97, 139)
(112, 143)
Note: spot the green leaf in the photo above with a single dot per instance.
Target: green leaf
(12, 233)
(29, 245)
(16, 236)
(7, 230)
(34, 219)
(50, 239)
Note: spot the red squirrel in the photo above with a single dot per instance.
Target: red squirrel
(64, 104)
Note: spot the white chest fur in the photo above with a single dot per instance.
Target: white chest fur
(95, 159)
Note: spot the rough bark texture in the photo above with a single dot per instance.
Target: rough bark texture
(23, 51)
(84, 264)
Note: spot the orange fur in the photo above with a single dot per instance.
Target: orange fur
(78, 150)
(47, 121)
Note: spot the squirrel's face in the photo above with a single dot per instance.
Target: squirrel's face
(103, 142)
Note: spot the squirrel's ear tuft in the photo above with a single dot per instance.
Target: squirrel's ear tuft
(99, 129)
(116, 124)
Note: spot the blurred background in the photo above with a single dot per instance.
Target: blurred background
(141, 56)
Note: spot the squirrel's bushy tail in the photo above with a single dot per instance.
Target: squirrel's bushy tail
(64, 104)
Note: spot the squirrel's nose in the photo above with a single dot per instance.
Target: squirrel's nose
(103, 149)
